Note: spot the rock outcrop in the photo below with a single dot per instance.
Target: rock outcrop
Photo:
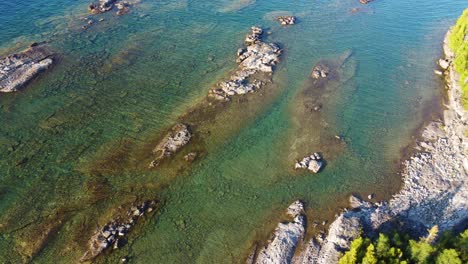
(178, 137)
(313, 163)
(18, 69)
(107, 5)
(286, 20)
(281, 248)
(257, 57)
(112, 233)
(320, 71)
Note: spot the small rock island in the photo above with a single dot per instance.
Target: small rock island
(18, 69)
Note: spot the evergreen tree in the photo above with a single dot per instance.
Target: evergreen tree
(420, 252)
(448, 256)
(370, 258)
(351, 256)
(382, 246)
(462, 246)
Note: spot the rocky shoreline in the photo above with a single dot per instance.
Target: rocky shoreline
(18, 69)
(281, 247)
(434, 192)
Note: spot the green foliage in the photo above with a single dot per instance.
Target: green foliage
(351, 256)
(420, 252)
(370, 257)
(399, 249)
(383, 246)
(459, 44)
(448, 256)
(462, 246)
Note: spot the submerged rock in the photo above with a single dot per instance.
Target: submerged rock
(190, 157)
(257, 57)
(365, 2)
(18, 69)
(281, 248)
(108, 235)
(178, 137)
(313, 163)
(286, 20)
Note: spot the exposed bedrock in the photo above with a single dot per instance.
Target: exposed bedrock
(18, 69)
(178, 137)
(281, 247)
(112, 234)
(257, 57)
(103, 6)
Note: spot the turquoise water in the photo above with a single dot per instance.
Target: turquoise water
(75, 143)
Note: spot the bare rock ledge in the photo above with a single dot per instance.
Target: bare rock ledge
(18, 69)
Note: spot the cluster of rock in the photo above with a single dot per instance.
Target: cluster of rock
(282, 246)
(286, 20)
(327, 249)
(257, 57)
(113, 233)
(107, 5)
(320, 71)
(313, 163)
(18, 69)
(178, 137)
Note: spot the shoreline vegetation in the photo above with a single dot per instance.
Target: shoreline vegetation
(459, 46)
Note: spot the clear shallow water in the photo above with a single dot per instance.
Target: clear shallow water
(73, 143)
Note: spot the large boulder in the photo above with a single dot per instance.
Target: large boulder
(320, 71)
(312, 163)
